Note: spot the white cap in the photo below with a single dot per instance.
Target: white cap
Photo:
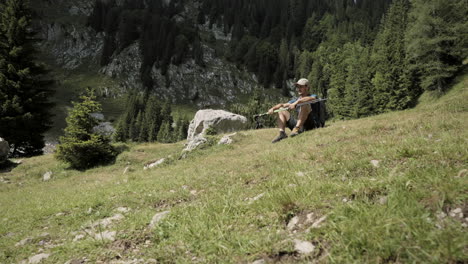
(303, 81)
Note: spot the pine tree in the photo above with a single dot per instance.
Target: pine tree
(392, 92)
(436, 40)
(80, 146)
(24, 90)
(164, 133)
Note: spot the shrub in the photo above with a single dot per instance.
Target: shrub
(80, 146)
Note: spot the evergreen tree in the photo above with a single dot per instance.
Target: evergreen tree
(136, 133)
(392, 92)
(80, 146)
(437, 41)
(24, 90)
(165, 133)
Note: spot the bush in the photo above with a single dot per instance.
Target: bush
(80, 146)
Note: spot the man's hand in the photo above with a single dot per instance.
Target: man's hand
(271, 111)
(292, 106)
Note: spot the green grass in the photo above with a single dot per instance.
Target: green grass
(386, 214)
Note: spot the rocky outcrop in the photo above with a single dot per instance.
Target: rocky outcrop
(4, 150)
(217, 83)
(219, 120)
(66, 36)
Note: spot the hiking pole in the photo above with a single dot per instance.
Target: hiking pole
(257, 117)
(286, 109)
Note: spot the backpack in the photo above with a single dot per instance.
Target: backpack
(319, 114)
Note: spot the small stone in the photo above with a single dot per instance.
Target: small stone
(107, 221)
(106, 235)
(462, 173)
(47, 176)
(292, 185)
(458, 212)
(157, 218)
(259, 261)
(383, 200)
(319, 222)
(23, 242)
(344, 200)
(154, 164)
(251, 200)
(60, 214)
(38, 258)
(90, 210)
(441, 215)
(172, 191)
(78, 237)
(193, 192)
(303, 247)
(292, 223)
(375, 163)
(300, 174)
(126, 169)
(123, 209)
(309, 218)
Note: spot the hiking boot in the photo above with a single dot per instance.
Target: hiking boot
(282, 135)
(296, 131)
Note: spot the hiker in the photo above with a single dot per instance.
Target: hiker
(304, 118)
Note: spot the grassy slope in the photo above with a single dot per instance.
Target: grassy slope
(378, 214)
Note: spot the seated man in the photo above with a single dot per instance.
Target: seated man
(304, 118)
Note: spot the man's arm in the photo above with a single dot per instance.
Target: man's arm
(278, 106)
(302, 100)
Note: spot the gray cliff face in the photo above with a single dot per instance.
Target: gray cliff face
(67, 39)
(72, 45)
(216, 84)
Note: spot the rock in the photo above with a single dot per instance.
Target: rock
(23, 242)
(292, 223)
(458, 213)
(154, 164)
(383, 200)
(259, 261)
(303, 247)
(227, 139)
(104, 128)
(462, 173)
(107, 221)
(47, 176)
(319, 222)
(106, 235)
(4, 150)
(123, 209)
(38, 258)
(300, 174)
(78, 237)
(194, 143)
(157, 218)
(219, 120)
(375, 163)
(251, 200)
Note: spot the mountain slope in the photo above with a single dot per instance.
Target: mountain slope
(388, 188)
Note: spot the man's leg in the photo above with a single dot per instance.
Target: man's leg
(301, 119)
(282, 120)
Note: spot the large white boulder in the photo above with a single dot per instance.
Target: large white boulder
(219, 120)
(4, 150)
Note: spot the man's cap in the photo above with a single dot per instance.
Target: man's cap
(302, 81)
